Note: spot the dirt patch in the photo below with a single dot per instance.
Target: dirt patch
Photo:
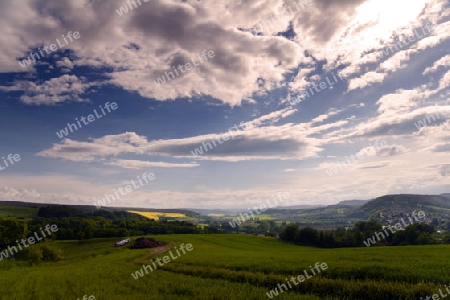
(162, 249)
(154, 251)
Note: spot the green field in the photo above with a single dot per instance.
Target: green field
(229, 267)
(17, 211)
(265, 217)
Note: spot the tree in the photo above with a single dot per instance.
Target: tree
(358, 238)
(12, 229)
(308, 236)
(446, 239)
(289, 232)
(435, 222)
(80, 235)
(263, 227)
(369, 226)
(399, 238)
(424, 239)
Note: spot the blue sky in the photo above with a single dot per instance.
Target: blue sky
(369, 89)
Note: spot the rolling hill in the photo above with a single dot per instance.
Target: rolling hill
(340, 214)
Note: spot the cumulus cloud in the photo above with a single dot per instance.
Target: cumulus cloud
(172, 28)
(126, 44)
(52, 91)
(366, 80)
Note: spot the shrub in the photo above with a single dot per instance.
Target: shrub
(35, 254)
(51, 254)
(44, 252)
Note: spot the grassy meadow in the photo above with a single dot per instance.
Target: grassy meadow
(229, 267)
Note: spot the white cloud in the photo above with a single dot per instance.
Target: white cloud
(123, 43)
(65, 63)
(366, 80)
(52, 91)
(442, 62)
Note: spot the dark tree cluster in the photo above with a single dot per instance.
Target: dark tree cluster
(414, 234)
(100, 227)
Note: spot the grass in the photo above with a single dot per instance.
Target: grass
(229, 267)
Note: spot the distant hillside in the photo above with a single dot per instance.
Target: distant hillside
(18, 208)
(206, 211)
(401, 203)
(82, 208)
(383, 209)
(301, 207)
(23, 204)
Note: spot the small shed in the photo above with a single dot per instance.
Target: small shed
(122, 242)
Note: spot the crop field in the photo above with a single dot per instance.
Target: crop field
(216, 215)
(229, 267)
(156, 215)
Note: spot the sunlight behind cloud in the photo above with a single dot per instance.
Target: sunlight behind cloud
(382, 17)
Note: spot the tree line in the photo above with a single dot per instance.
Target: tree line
(77, 225)
(414, 234)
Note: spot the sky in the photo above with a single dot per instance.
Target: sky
(324, 100)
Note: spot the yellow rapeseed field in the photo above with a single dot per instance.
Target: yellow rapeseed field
(156, 215)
